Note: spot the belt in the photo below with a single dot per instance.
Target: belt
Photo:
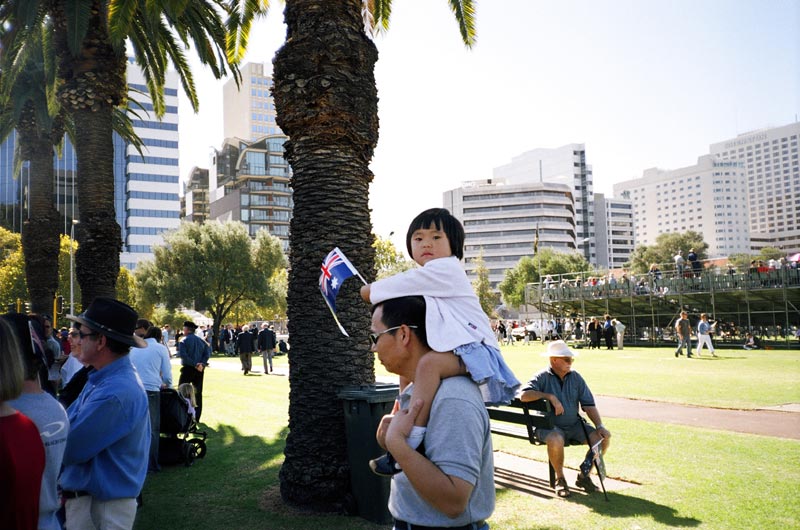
(66, 494)
(403, 525)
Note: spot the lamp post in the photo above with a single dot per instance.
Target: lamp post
(72, 267)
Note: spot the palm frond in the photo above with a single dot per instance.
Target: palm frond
(241, 14)
(464, 10)
(123, 125)
(380, 11)
(121, 15)
(78, 14)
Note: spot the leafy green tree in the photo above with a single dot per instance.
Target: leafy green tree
(487, 296)
(768, 253)
(12, 273)
(531, 269)
(388, 260)
(213, 267)
(664, 250)
(327, 104)
(161, 315)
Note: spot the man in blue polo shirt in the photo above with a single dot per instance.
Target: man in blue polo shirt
(565, 390)
(105, 461)
(194, 353)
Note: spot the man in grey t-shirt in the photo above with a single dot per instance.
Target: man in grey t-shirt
(452, 484)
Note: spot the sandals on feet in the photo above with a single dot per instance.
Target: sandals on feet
(562, 490)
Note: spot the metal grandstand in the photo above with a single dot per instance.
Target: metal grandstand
(765, 302)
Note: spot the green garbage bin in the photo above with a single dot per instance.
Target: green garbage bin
(364, 406)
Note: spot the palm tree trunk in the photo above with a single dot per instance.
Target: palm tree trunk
(93, 83)
(99, 237)
(326, 99)
(40, 233)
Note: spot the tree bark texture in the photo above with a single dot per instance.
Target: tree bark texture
(93, 84)
(40, 233)
(326, 100)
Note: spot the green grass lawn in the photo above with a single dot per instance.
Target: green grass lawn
(686, 477)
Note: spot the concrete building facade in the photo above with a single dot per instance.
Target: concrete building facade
(770, 159)
(709, 197)
(501, 220)
(566, 165)
(251, 184)
(614, 229)
(248, 111)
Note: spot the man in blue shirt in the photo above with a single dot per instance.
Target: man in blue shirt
(194, 353)
(565, 390)
(105, 461)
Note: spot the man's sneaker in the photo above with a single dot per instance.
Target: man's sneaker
(385, 465)
(585, 483)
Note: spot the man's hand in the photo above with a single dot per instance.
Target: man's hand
(383, 427)
(199, 367)
(399, 427)
(605, 433)
(558, 408)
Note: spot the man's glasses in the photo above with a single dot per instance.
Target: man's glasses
(567, 360)
(373, 337)
(83, 335)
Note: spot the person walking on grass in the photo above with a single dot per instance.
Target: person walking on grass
(704, 330)
(683, 330)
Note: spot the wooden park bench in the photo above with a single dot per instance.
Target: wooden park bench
(520, 420)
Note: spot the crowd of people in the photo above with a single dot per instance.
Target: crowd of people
(80, 414)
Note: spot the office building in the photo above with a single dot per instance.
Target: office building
(566, 165)
(145, 187)
(195, 200)
(770, 160)
(709, 197)
(251, 184)
(614, 229)
(501, 220)
(248, 110)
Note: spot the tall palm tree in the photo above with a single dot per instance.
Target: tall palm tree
(326, 99)
(27, 104)
(90, 40)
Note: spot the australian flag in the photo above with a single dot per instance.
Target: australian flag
(336, 268)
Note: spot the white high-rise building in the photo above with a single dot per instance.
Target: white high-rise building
(770, 159)
(709, 197)
(248, 111)
(614, 220)
(146, 187)
(501, 220)
(565, 165)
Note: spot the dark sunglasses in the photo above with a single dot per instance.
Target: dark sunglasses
(373, 337)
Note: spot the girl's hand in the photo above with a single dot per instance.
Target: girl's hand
(365, 292)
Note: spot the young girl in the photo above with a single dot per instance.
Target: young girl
(186, 391)
(454, 320)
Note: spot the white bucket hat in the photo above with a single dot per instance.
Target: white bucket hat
(558, 348)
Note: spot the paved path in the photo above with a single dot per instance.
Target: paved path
(781, 423)
(767, 422)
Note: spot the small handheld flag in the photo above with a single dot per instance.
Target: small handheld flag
(336, 268)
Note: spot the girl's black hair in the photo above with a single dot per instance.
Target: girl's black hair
(443, 220)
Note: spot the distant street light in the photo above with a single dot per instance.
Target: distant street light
(72, 268)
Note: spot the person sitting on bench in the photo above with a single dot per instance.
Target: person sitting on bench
(751, 342)
(565, 389)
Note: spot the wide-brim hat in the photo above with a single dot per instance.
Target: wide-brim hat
(112, 318)
(558, 348)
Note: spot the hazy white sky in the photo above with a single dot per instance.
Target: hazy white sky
(643, 83)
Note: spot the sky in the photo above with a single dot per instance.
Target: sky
(642, 83)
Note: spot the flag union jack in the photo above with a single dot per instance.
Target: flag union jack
(336, 268)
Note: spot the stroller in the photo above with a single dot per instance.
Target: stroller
(181, 442)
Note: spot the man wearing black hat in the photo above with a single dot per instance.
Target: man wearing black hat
(194, 353)
(105, 461)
